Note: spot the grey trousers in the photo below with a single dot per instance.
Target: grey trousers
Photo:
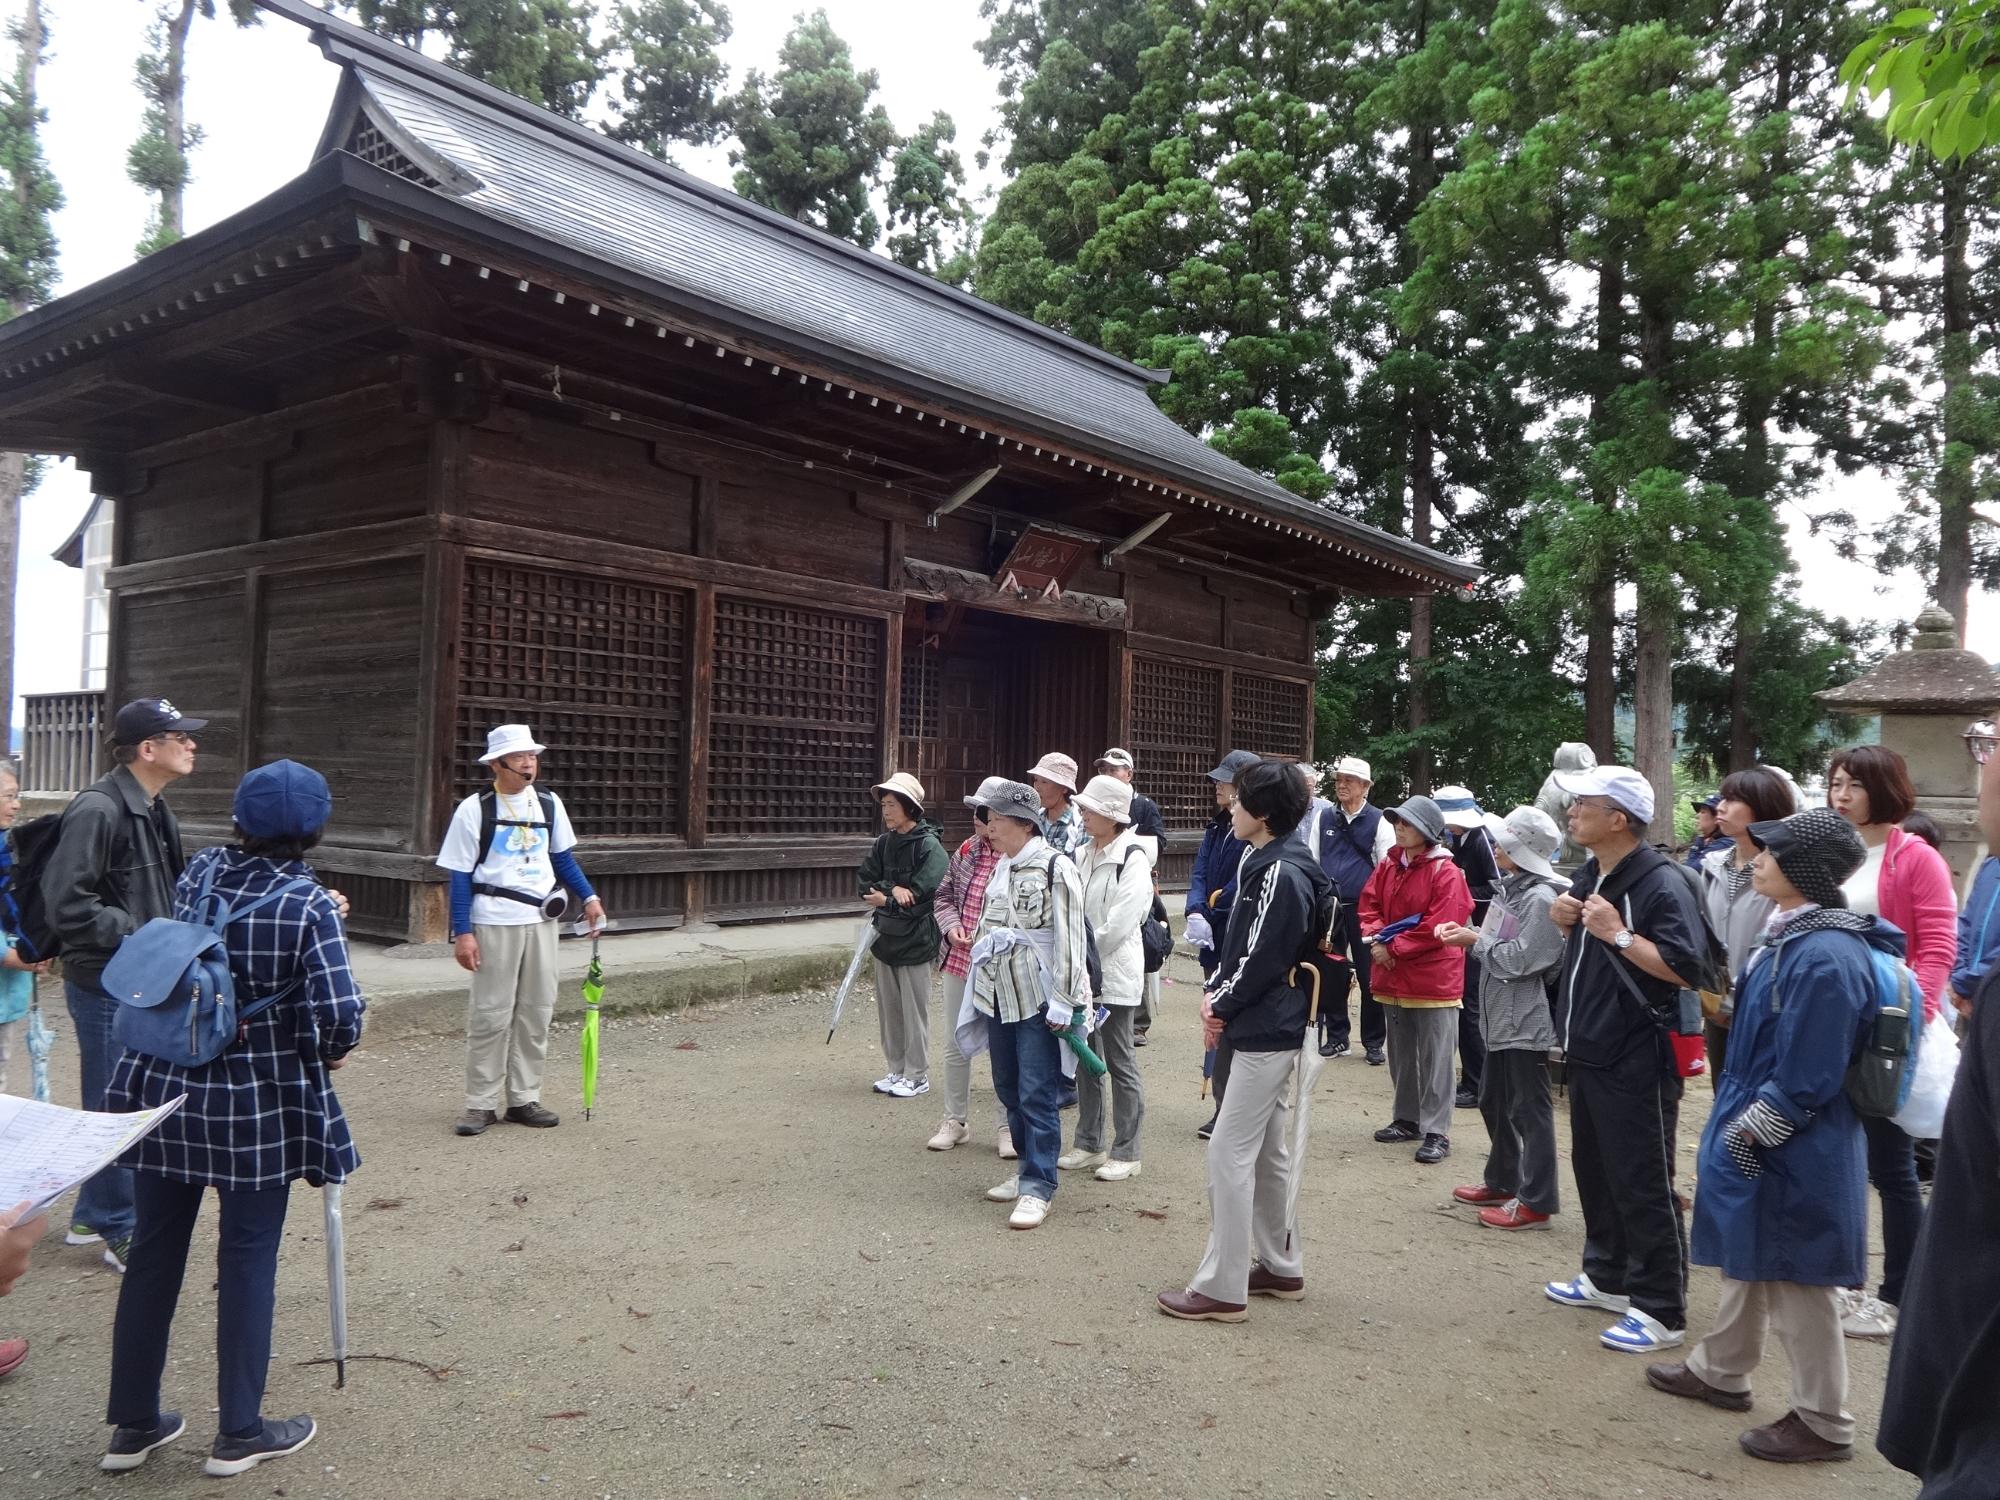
(1249, 1171)
(1808, 1322)
(1149, 1003)
(903, 1006)
(1521, 1120)
(1113, 1043)
(957, 1066)
(1423, 1046)
(507, 1021)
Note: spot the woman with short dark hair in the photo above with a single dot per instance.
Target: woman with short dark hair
(899, 877)
(257, 1118)
(1905, 882)
(1733, 906)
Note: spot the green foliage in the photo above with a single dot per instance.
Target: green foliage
(541, 50)
(672, 88)
(1941, 71)
(29, 194)
(927, 204)
(811, 145)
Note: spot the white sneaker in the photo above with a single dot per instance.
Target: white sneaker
(1640, 1333)
(906, 1089)
(1117, 1171)
(1006, 1192)
(1582, 1293)
(951, 1133)
(1078, 1159)
(1869, 1318)
(1028, 1213)
(1007, 1151)
(887, 1084)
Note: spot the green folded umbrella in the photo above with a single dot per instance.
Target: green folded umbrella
(593, 993)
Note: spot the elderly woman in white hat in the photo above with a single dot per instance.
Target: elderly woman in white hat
(899, 877)
(1518, 947)
(1117, 894)
(1054, 779)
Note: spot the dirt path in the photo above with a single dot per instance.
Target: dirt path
(745, 1276)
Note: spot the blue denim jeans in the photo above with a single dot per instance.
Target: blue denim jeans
(246, 1263)
(1027, 1075)
(105, 1201)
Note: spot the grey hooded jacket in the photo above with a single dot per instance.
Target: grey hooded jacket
(1519, 947)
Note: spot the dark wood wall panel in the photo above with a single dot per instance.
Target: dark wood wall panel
(812, 529)
(534, 472)
(1262, 622)
(378, 906)
(187, 645)
(337, 689)
(1175, 603)
(1059, 697)
(647, 899)
(1269, 715)
(796, 734)
(1176, 736)
(196, 505)
(737, 895)
(598, 668)
(351, 473)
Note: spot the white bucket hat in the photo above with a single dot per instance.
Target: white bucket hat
(1459, 806)
(1108, 797)
(1528, 836)
(1057, 768)
(904, 784)
(1355, 766)
(509, 739)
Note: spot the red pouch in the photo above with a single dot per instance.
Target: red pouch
(1690, 1054)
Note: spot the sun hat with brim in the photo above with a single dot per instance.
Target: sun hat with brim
(509, 739)
(1621, 784)
(1817, 849)
(1122, 759)
(1528, 836)
(903, 784)
(1234, 764)
(283, 800)
(1355, 766)
(1460, 808)
(1009, 799)
(1421, 814)
(1057, 768)
(1108, 797)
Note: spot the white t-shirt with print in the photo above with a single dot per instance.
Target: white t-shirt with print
(520, 858)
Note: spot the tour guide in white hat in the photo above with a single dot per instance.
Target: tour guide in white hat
(506, 849)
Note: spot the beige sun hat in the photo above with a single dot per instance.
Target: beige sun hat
(1057, 768)
(904, 784)
(1108, 797)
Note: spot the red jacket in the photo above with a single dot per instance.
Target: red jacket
(1424, 971)
(1914, 892)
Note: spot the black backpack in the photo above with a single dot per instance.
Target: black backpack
(1714, 976)
(34, 843)
(490, 821)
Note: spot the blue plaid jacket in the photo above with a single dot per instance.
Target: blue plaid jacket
(264, 1112)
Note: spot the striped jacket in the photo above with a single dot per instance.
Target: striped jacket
(263, 1113)
(1037, 889)
(961, 899)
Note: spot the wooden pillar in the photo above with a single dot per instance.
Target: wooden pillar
(250, 687)
(438, 675)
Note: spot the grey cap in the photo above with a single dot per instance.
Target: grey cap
(1009, 799)
(1234, 764)
(1421, 814)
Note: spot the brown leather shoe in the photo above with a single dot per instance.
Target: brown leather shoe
(1679, 1380)
(533, 1114)
(1197, 1309)
(1789, 1441)
(1264, 1283)
(474, 1122)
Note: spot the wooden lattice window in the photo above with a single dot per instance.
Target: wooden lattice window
(598, 668)
(795, 720)
(923, 710)
(1268, 715)
(1176, 736)
(378, 150)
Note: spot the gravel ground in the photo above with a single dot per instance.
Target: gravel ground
(745, 1276)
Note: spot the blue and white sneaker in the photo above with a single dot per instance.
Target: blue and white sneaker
(1640, 1333)
(1581, 1293)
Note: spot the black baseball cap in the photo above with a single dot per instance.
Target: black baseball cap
(143, 718)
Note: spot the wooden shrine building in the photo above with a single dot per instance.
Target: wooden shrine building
(485, 417)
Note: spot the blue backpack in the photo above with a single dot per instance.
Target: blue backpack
(176, 997)
(1884, 1070)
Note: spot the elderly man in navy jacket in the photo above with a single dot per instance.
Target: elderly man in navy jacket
(1351, 840)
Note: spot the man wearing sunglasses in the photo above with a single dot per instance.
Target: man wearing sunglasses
(113, 869)
(1979, 917)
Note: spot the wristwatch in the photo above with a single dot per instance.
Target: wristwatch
(1622, 939)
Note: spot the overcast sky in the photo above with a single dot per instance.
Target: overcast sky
(261, 96)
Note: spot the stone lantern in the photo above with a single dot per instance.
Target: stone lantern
(1925, 697)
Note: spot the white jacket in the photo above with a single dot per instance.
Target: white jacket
(1117, 894)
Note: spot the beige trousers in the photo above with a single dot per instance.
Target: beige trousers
(507, 1022)
(1807, 1320)
(1249, 1169)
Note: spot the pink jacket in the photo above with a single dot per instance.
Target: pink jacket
(1915, 893)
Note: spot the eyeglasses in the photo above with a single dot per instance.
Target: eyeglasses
(1980, 738)
(178, 736)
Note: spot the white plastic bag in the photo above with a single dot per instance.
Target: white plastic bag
(1922, 1117)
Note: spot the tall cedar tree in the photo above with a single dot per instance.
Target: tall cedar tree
(29, 199)
(928, 206)
(673, 85)
(810, 145)
(158, 159)
(541, 50)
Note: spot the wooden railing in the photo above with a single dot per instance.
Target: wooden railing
(62, 748)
